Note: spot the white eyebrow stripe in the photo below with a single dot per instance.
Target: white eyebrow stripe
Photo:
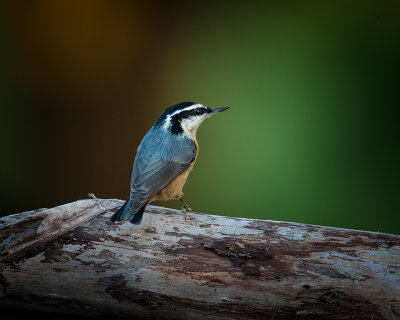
(168, 119)
(193, 106)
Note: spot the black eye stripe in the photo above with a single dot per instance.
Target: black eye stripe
(176, 119)
(189, 113)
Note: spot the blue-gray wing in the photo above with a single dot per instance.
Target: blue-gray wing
(151, 176)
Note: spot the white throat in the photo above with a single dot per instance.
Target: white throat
(191, 125)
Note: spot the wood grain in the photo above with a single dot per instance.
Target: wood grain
(209, 267)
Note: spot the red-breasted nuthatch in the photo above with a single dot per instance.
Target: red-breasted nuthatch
(164, 159)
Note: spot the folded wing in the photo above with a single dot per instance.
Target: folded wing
(151, 176)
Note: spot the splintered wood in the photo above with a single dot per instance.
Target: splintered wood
(73, 259)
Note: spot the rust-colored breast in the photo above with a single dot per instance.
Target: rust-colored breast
(174, 189)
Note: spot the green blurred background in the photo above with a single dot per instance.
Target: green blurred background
(311, 135)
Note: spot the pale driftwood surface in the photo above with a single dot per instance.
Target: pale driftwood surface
(209, 267)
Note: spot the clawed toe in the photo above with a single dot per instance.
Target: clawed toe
(184, 212)
(185, 208)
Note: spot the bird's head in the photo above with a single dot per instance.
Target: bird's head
(185, 117)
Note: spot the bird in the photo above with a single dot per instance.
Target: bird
(164, 159)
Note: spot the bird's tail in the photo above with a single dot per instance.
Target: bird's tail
(125, 214)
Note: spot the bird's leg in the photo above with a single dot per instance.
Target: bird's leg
(185, 207)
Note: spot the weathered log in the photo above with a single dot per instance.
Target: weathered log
(73, 259)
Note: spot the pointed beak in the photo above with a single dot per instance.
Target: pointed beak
(216, 110)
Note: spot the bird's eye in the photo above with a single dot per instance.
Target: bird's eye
(198, 111)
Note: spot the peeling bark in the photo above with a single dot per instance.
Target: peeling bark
(73, 259)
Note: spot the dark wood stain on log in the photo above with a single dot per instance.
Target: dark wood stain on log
(328, 303)
(3, 283)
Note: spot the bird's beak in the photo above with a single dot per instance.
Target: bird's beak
(216, 110)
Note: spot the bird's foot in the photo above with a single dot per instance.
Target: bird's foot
(185, 207)
(185, 210)
(191, 217)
